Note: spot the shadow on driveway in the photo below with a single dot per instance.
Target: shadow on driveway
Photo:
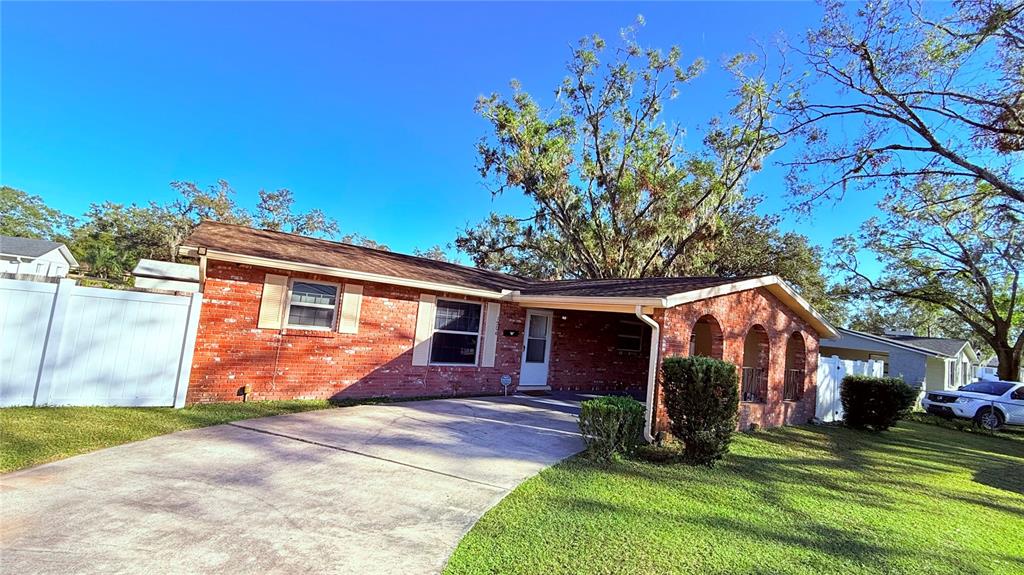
(368, 489)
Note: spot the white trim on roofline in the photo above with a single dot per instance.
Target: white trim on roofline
(774, 284)
(339, 272)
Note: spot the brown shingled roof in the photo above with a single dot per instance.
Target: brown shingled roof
(287, 247)
(295, 248)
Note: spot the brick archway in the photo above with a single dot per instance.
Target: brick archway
(706, 338)
(796, 367)
(756, 359)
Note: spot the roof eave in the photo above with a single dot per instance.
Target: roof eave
(72, 262)
(616, 304)
(777, 286)
(192, 251)
(887, 341)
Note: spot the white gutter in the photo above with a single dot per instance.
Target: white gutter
(652, 371)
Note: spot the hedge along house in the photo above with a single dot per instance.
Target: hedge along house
(287, 316)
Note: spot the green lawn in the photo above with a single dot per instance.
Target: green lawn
(817, 500)
(33, 435)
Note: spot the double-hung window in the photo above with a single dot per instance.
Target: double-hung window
(456, 336)
(312, 305)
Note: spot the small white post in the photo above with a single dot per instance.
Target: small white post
(188, 348)
(51, 348)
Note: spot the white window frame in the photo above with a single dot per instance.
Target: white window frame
(639, 338)
(433, 330)
(334, 309)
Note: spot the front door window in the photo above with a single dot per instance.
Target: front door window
(537, 339)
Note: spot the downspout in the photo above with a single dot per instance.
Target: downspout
(652, 371)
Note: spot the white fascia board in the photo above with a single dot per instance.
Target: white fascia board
(349, 274)
(583, 302)
(816, 319)
(774, 284)
(971, 356)
(720, 290)
(64, 251)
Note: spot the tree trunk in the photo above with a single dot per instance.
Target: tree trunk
(1009, 363)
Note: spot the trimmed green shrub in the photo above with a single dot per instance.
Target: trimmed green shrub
(875, 403)
(702, 398)
(611, 425)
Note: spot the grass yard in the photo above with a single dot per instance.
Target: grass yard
(33, 435)
(818, 500)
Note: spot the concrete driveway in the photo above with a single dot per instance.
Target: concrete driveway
(369, 489)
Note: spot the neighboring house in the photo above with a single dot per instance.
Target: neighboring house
(169, 276)
(928, 362)
(35, 257)
(287, 316)
(990, 370)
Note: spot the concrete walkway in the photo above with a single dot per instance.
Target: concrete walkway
(369, 489)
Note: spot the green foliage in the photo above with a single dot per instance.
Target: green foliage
(611, 426)
(945, 249)
(925, 100)
(751, 244)
(875, 403)
(113, 237)
(614, 192)
(895, 92)
(702, 399)
(26, 216)
(436, 253)
(275, 212)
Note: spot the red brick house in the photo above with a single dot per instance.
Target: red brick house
(286, 316)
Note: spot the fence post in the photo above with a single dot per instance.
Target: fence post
(51, 347)
(188, 348)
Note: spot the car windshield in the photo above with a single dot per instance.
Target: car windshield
(988, 387)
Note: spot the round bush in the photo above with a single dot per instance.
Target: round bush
(875, 403)
(611, 425)
(702, 398)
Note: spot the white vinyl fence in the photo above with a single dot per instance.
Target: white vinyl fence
(831, 371)
(63, 344)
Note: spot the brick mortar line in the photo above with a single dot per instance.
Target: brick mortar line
(377, 457)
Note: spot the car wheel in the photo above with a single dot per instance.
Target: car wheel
(988, 418)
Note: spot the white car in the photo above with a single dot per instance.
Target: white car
(991, 404)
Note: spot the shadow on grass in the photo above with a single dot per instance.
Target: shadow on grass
(857, 497)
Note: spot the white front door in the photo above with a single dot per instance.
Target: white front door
(536, 349)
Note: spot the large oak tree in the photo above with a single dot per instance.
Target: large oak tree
(614, 190)
(899, 91)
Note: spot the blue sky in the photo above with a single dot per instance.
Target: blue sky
(363, 110)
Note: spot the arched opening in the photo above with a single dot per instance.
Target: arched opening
(796, 357)
(755, 366)
(706, 338)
